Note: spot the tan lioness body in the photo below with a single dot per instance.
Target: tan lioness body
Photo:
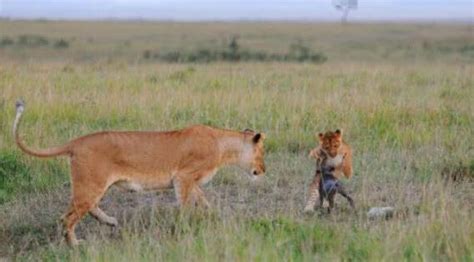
(338, 154)
(183, 159)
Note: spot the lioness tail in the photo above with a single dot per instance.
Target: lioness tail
(49, 152)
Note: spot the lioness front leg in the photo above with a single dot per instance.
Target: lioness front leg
(188, 192)
(187, 188)
(183, 188)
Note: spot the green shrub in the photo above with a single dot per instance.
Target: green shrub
(13, 174)
(32, 41)
(298, 52)
(6, 41)
(61, 43)
(147, 54)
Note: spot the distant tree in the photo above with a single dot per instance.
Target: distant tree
(344, 6)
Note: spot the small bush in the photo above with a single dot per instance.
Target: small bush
(301, 53)
(68, 69)
(32, 41)
(467, 49)
(6, 41)
(61, 43)
(233, 53)
(147, 54)
(174, 56)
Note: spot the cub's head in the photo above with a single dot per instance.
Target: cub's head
(330, 142)
(252, 158)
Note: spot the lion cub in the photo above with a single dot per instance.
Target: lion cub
(336, 157)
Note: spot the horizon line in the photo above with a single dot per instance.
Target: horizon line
(465, 20)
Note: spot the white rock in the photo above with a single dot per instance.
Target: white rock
(380, 212)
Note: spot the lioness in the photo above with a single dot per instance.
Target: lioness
(182, 159)
(339, 155)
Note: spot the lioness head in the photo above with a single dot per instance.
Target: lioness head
(331, 142)
(252, 156)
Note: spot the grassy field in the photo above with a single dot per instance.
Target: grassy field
(402, 92)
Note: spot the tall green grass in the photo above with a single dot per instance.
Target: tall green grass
(408, 127)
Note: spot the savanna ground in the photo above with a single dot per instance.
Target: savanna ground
(403, 93)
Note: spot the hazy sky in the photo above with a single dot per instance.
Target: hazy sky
(236, 9)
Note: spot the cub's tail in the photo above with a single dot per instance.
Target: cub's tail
(49, 152)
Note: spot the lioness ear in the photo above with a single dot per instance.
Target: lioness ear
(259, 136)
(339, 133)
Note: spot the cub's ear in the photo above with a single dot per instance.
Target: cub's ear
(258, 137)
(339, 133)
(320, 137)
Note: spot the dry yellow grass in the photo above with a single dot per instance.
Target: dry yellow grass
(409, 121)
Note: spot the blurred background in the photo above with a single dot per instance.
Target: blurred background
(396, 75)
(189, 10)
(205, 31)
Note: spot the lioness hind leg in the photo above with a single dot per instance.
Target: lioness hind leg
(77, 209)
(75, 212)
(87, 190)
(100, 215)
